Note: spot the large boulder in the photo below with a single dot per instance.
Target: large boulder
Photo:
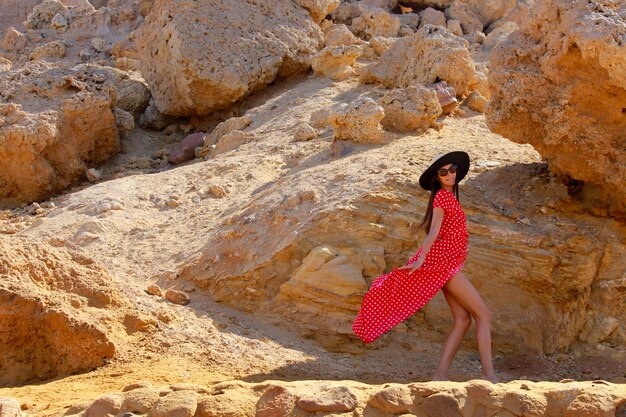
(201, 56)
(56, 312)
(432, 54)
(559, 83)
(411, 108)
(54, 124)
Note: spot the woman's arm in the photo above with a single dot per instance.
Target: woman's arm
(435, 226)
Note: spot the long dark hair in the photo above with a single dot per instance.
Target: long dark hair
(435, 186)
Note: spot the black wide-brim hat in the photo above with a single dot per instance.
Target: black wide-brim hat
(459, 158)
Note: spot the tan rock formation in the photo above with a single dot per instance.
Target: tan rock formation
(42, 14)
(430, 16)
(432, 54)
(471, 399)
(374, 21)
(59, 122)
(336, 35)
(56, 316)
(439, 4)
(359, 121)
(318, 9)
(222, 129)
(336, 62)
(190, 69)
(475, 16)
(476, 102)
(14, 40)
(499, 34)
(52, 49)
(568, 102)
(409, 109)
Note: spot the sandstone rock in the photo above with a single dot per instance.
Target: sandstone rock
(52, 49)
(230, 141)
(14, 40)
(439, 4)
(99, 44)
(304, 132)
(396, 399)
(60, 121)
(132, 96)
(137, 385)
(5, 64)
(93, 175)
(380, 44)
(475, 16)
(153, 119)
(476, 37)
(336, 62)
(321, 119)
(410, 20)
(598, 330)
(330, 283)
(446, 96)
(580, 134)
(476, 102)
(43, 14)
(124, 120)
(359, 121)
(430, 16)
(454, 26)
(328, 398)
(154, 290)
(186, 150)
(177, 403)
(59, 23)
(318, 9)
(188, 68)
(432, 54)
(217, 191)
(499, 34)
(9, 407)
(177, 297)
(107, 405)
(374, 21)
(276, 401)
(66, 299)
(222, 129)
(409, 109)
(337, 35)
(140, 400)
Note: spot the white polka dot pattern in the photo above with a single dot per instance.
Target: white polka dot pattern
(396, 296)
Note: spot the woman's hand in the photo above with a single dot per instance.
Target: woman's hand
(415, 265)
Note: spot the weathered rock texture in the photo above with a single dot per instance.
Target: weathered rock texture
(14, 12)
(374, 21)
(472, 399)
(55, 312)
(559, 83)
(336, 62)
(201, 56)
(411, 108)
(432, 54)
(475, 16)
(359, 121)
(53, 124)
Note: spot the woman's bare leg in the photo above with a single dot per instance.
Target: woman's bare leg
(466, 295)
(462, 321)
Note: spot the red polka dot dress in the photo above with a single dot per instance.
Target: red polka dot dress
(397, 295)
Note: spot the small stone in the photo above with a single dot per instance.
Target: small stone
(109, 404)
(177, 297)
(93, 175)
(476, 102)
(59, 23)
(49, 50)
(300, 100)
(136, 385)
(277, 401)
(217, 191)
(394, 400)
(99, 44)
(154, 290)
(176, 404)
(328, 399)
(14, 40)
(304, 132)
(9, 407)
(140, 400)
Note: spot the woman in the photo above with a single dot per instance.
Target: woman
(436, 266)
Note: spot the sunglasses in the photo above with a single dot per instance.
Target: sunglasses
(444, 171)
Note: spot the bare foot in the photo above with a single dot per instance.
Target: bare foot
(491, 378)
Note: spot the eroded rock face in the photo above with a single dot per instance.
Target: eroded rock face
(475, 16)
(202, 56)
(433, 53)
(336, 62)
(54, 123)
(359, 121)
(409, 109)
(559, 83)
(54, 312)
